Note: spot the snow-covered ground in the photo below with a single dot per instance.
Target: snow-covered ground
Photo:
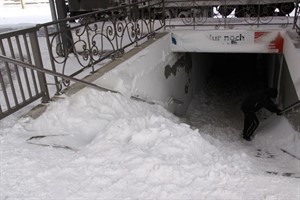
(111, 147)
(14, 17)
(123, 149)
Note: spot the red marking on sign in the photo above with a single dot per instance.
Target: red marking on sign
(259, 34)
(277, 43)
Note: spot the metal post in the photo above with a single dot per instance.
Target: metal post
(53, 10)
(23, 4)
(225, 25)
(279, 77)
(164, 14)
(258, 14)
(296, 14)
(61, 9)
(66, 34)
(52, 58)
(194, 14)
(38, 62)
(54, 18)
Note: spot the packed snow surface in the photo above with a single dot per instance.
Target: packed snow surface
(124, 149)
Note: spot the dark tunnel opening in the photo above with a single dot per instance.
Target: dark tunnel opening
(250, 71)
(223, 80)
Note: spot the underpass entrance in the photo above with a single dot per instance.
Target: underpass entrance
(252, 71)
(257, 57)
(215, 109)
(223, 80)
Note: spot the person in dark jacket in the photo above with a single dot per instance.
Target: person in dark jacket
(254, 103)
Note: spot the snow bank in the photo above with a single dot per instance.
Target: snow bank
(87, 113)
(278, 132)
(125, 150)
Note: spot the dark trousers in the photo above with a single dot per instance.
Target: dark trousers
(250, 124)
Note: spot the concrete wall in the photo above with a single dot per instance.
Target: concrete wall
(279, 76)
(288, 96)
(201, 63)
(290, 80)
(288, 92)
(291, 51)
(155, 74)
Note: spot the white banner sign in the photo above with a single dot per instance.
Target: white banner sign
(230, 38)
(226, 41)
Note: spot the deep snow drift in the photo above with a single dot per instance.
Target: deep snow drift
(124, 149)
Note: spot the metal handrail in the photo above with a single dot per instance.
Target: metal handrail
(296, 18)
(290, 107)
(46, 71)
(80, 81)
(19, 32)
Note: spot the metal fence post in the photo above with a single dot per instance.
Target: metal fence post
(295, 25)
(38, 62)
(164, 14)
(193, 12)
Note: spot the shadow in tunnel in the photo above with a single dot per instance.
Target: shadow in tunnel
(249, 71)
(230, 78)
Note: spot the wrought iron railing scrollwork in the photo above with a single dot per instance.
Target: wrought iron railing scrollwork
(96, 36)
(296, 17)
(229, 13)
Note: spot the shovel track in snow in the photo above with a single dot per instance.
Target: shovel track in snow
(285, 174)
(35, 140)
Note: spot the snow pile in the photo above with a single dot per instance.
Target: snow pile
(89, 113)
(282, 135)
(125, 150)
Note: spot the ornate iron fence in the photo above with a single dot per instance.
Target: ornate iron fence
(96, 36)
(296, 19)
(76, 47)
(229, 13)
